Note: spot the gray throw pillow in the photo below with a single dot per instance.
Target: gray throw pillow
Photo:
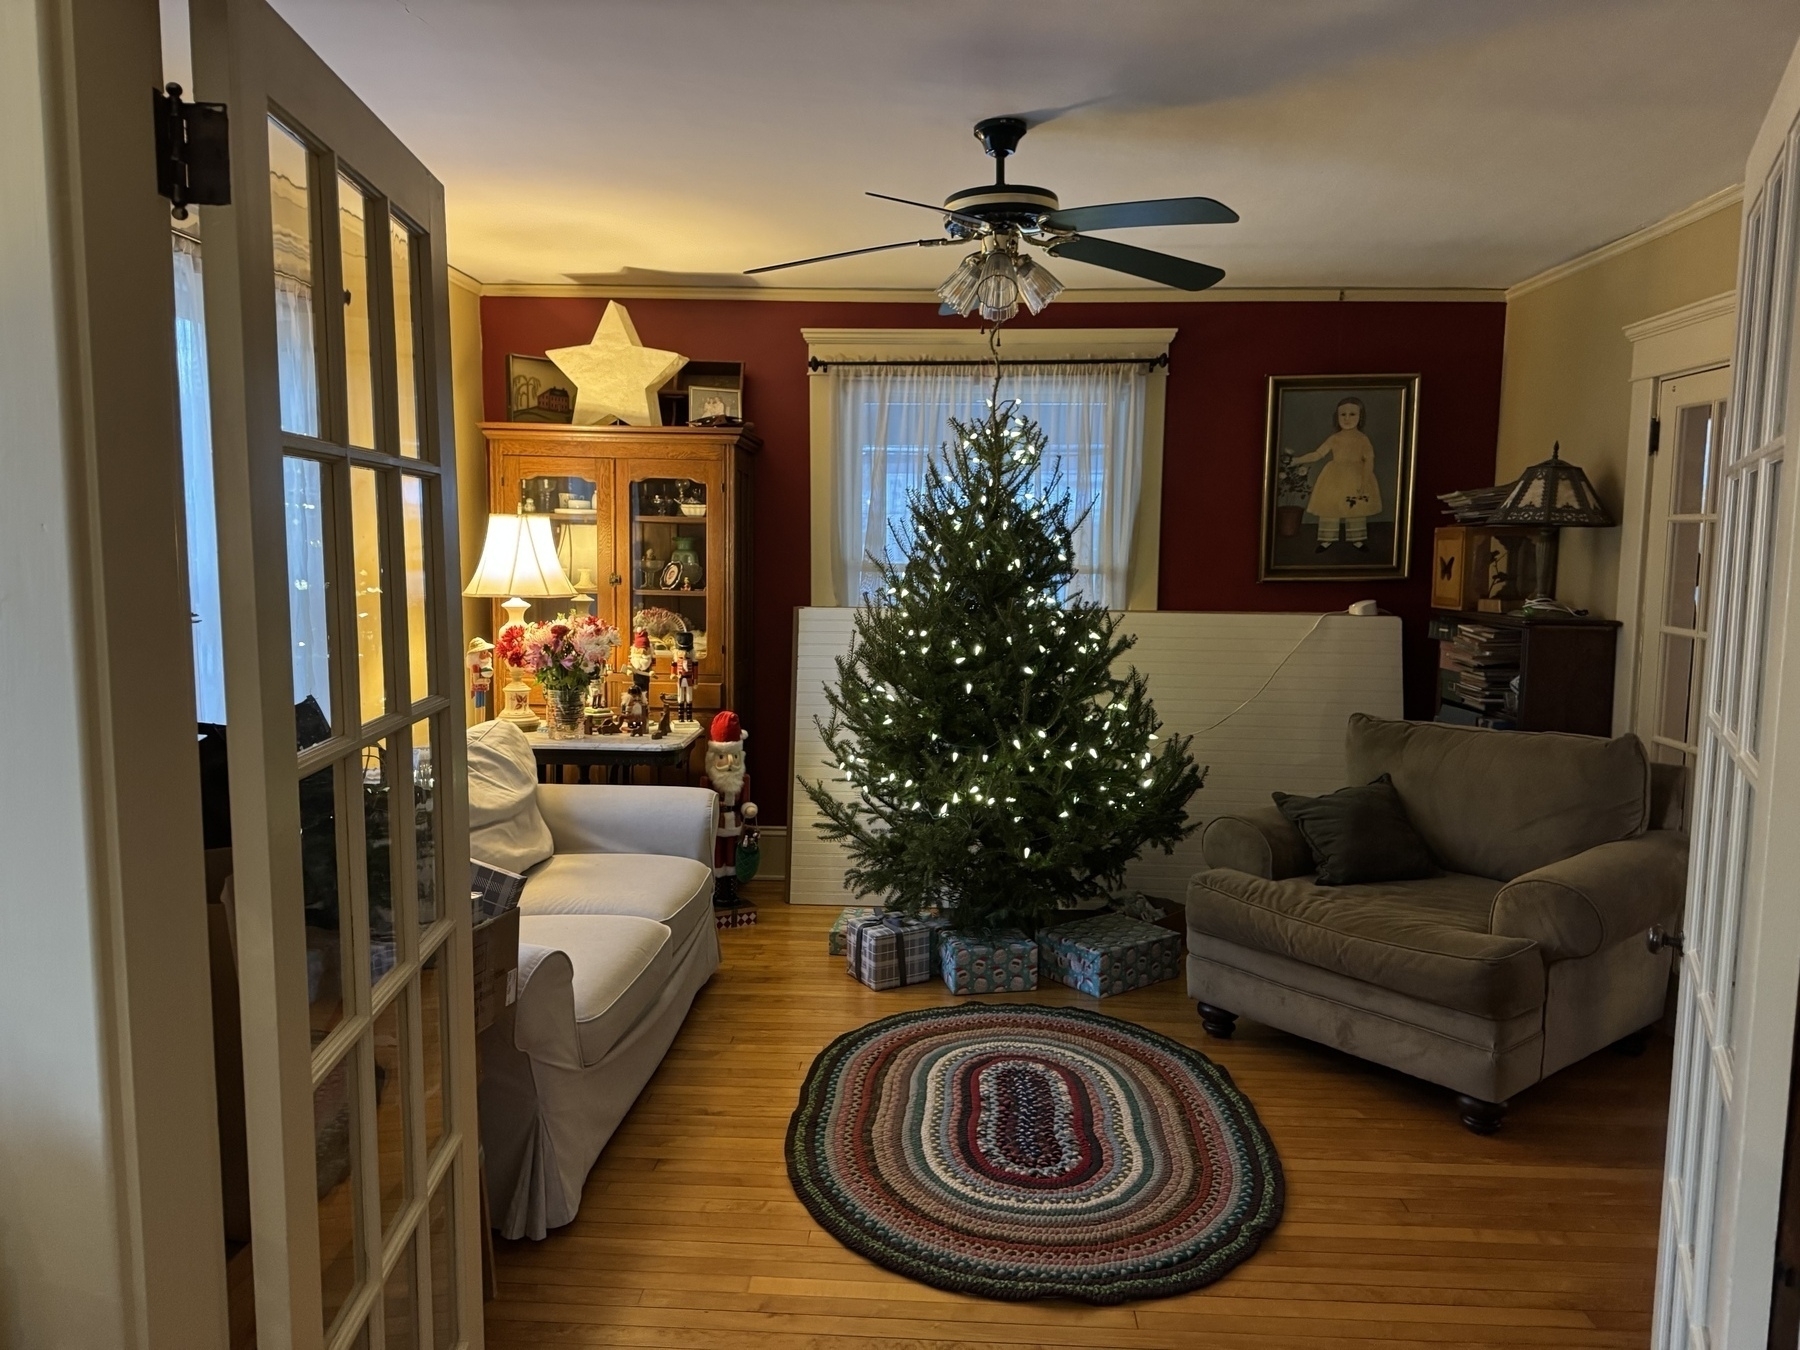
(1359, 834)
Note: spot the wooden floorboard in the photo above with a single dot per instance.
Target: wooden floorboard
(1401, 1229)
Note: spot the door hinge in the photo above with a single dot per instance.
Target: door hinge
(1655, 434)
(193, 151)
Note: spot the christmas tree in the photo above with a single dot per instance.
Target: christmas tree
(1003, 769)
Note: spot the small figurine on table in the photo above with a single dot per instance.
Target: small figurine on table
(728, 774)
(684, 668)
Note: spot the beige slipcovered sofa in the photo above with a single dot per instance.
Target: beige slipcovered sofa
(616, 937)
(1527, 953)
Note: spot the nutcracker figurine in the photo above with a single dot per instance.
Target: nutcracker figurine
(728, 774)
(684, 668)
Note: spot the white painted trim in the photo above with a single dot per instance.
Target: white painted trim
(1701, 209)
(905, 344)
(464, 282)
(1691, 338)
(111, 1227)
(1721, 306)
(901, 295)
(902, 344)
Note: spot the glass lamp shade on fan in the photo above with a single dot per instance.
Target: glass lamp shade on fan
(1550, 495)
(518, 559)
(995, 282)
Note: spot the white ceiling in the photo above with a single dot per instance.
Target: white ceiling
(1405, 143)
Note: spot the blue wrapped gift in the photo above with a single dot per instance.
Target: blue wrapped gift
(1005, 964)
(1109, 954)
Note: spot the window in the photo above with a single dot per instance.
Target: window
(880, 415)
(197, 478)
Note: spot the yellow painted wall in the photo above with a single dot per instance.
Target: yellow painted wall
(471, 452)
(1567, 375)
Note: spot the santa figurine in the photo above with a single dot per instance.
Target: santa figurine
(641, 660)
(728, 775)
(684, 668)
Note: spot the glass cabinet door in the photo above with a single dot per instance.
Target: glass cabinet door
(677, 559)
(577, 496)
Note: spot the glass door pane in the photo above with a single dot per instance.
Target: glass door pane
(290, 204)
(676, 558)
(359, 377)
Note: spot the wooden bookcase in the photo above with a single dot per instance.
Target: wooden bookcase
(613, 495)
(1566, 669)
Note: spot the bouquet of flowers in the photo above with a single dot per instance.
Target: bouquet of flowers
(565, 653)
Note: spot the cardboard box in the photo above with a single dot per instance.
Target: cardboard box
(1006, 964)
(496, 947)
(1109, 954)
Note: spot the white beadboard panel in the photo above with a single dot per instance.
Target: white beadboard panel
(1297, 677)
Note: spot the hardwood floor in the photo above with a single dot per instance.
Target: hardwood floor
(1401, 1228)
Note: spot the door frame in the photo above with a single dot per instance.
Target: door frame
(114, 1229)
(1680, 341)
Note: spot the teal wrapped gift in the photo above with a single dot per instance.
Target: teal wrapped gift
(851, 914)
(1109, 954)
(1007, 964)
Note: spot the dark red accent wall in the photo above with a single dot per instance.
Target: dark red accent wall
(1213, 445)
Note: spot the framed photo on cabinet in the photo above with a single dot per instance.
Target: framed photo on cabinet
(1338, 477)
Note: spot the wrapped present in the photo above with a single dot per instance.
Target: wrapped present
(1006, 964)
(1109, 954)
(886, 951)
(739, 915)
(851, 913)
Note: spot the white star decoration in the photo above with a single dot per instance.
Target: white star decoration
(616, 376)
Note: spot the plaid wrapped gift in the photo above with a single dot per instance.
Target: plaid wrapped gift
(851, 913)
(888, 950)
(1007, 964)
(1109, 954)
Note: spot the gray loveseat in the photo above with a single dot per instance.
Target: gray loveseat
(1527, 953)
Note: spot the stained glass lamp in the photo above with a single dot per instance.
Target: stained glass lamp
(518, 558)
(1550, 495)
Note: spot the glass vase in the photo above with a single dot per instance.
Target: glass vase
(564, 709)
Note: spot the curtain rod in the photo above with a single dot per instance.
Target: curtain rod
(815, 364)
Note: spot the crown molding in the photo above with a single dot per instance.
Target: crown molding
(1706, 206)
(464, 282)
(1135, 295)
(1721, 306)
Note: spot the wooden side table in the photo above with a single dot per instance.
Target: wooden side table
(616, 755)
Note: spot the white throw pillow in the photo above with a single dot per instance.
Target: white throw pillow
(505, 827)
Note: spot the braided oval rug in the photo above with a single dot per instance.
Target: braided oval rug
(1023, 1152)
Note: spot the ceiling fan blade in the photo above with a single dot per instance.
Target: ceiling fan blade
(1138, 262)
(975, 222)
(1128, 215)
(848, 253)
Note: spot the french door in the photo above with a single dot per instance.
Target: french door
(328, 348)
(1681, 542)
(1740, 941)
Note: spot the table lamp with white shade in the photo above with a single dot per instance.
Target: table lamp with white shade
(518, 559)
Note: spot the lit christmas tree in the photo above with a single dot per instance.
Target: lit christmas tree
(1002, 769)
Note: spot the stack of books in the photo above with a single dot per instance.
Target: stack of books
(1473, 506)
(1478, 665)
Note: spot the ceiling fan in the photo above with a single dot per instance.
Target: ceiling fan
(1002, 216)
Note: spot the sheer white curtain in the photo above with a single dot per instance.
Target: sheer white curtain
(197, 477)
(891, 419)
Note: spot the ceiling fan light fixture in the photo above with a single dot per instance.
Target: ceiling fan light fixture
(997, 292)
(958, 290)
(1038, 286)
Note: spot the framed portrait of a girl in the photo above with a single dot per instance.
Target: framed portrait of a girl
(1338, 477)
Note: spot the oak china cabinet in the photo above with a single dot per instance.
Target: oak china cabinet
(643, 517)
